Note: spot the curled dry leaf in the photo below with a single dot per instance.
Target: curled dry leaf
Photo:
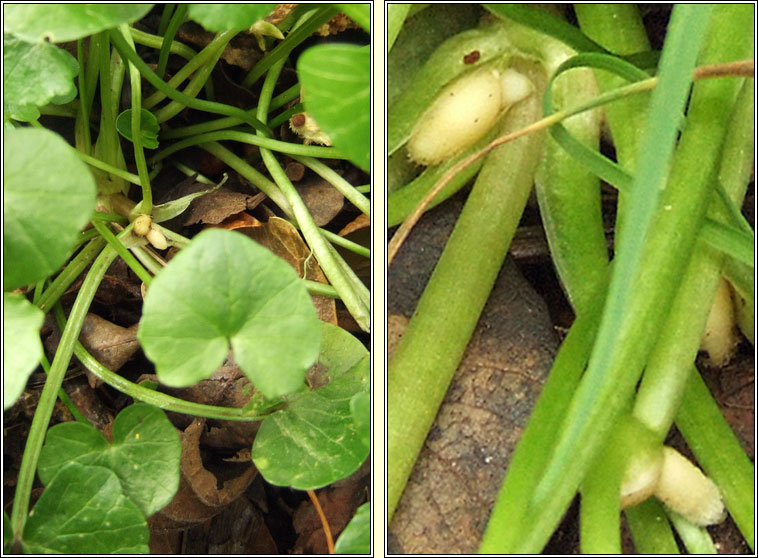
(284, 240)
(202, 494)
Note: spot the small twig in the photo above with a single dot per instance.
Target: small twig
(324, 522)
(731, 69)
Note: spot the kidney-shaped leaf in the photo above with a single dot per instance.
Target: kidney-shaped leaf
(221, 17)
(314, 441)
(336, 80)
(22, 347)
(83, 511)
(49, 195)
(356, 538)
(67, 22)
(35, 75)
(145, 454)
(149, 127)
(225, 288)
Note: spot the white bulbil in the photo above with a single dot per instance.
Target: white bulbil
(142, 225)
(686, 490)
(156, 238)
(463, 113)
(720, 337)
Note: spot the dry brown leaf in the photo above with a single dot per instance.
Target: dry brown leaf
(452, 489)
(284, 240)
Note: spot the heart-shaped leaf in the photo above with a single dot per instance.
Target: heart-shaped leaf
(145, 454)
(22, 347)
(149, 127)
(356, 538)
(67, 22)
(35, 75)
(314, 441)
(224, 288)
(43, 210)
(83, 511)
(336, 80)
(222, 17)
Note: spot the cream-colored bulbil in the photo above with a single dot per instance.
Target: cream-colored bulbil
(142, 225)
(720, 337)
(686, 490)
(464, 112)
(157, 239)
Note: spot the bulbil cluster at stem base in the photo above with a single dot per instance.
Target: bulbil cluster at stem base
(143, 226)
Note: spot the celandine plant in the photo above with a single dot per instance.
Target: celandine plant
(66, 210)
(624, 374)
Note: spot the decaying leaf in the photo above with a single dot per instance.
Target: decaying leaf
(452, 489)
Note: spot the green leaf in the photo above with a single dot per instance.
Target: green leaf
(67, 22)
(360, 408)
(49, 195)
(22, 347)
(336, 80)
(314, 441)
(7, 532)
(149, 127)
(170, 209)
(145, 454)
(359, 13)
(222, 17)
(222, 288)
(356, 538)
(35, 75)
(81, 511)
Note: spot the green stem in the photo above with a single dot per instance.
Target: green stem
(347, 288)
(650, 529)
(115, 171)
(63, 396)
(718, 452)
(69, 274)
(229, 121)
(649, 263)
(619, 28)
(155, 41)
(139, 152)
(200, 77)
(152, 397)
(452, 301)
(168, 38)
(115, 243)
(243, 137)
(49, 393)
(82, 131)
(343, 186)
(217, 108)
